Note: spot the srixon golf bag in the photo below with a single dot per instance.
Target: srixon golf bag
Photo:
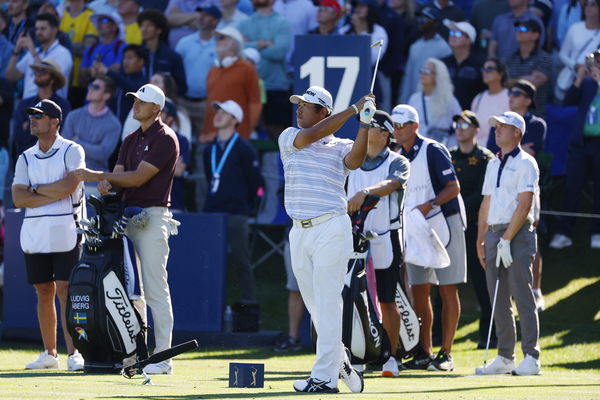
(101, 319)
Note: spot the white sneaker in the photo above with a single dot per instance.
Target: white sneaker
(75, 362)
(44, 361)
(163, 367)
(595, 241)
(390, 368)
(350, 376)
(529, 366)
(499, 365)
(560, 241)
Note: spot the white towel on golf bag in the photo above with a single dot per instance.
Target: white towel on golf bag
(423, 245)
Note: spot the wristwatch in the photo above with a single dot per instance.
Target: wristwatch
(365, 192)
(34, 187)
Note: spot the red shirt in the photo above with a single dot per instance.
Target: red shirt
(158, 146)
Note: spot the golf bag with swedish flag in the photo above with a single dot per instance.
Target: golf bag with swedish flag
(101, 319)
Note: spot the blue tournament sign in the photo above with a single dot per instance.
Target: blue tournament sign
(340, 64)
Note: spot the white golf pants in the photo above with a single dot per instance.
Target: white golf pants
(320, 257)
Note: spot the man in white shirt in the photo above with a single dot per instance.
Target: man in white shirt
(44, 184)
(316, 165)
(46, 29)
(506, 246)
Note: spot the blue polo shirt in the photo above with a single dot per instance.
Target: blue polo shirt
(438, 162)
(198, 58)
(110, 53)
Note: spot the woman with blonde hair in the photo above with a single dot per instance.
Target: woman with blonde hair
(435, 102)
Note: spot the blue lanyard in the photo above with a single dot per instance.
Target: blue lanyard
(216, 170)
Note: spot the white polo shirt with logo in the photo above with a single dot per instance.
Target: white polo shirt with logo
(505, 178)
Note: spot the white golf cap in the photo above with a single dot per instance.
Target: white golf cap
(314, 95)
(230, 107)
(150, 94)
(462, 26)
(508, 118)
(404, 113)
(231, 32)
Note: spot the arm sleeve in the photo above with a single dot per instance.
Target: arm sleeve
(399, 170)
(67, 130)
(103, 149)
(21, 176)
(252, 171)
(536, 135)
(281, 42)
(75, 157)
(286, 140)
(24, 63)
(528, 177)
(488, 181)
(440, 165)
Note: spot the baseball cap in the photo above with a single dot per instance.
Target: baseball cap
(170, 108)
(150, 94)
(231, 32)
(314, 95)
(383, 120)
(47, 107)
(47, 64)
(404, 113)
(430, 12)
(531, 24)
(211, 10)
(112, 15)
(230, 107)
(462, 26)
(467, 116)
(508, 118)
(528, 88)
(332, 4)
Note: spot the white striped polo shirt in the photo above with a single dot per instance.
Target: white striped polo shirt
(314, 175)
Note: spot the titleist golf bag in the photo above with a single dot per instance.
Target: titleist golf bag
(101, 319)
(410, 325)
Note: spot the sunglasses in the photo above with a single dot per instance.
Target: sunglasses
(457, 33)
(220, 37)
(324, 8)
(460, 125)
(104, 20)
(426, 71)
(399, 125)
(94, 86)
(489, 69)
(36, 116)
(591, 3)
(516, 93)
(522, 28)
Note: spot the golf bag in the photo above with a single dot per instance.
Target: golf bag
(101, 319)
(362, 332)
(410, 325)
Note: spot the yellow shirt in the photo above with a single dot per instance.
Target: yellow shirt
(133, 34)
(77, 28)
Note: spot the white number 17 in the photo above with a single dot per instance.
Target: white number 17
(314, 68)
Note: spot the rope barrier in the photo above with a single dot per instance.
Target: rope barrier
(569, 214)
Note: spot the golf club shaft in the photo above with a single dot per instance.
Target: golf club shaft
(487, 345)
(380, 43)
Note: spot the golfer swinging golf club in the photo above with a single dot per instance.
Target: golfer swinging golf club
(506, 245)
(316, 165)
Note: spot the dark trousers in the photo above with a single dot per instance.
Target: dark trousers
(583, 164)
(477, 278)
(239, 254)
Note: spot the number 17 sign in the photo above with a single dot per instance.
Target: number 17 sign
(340, 64)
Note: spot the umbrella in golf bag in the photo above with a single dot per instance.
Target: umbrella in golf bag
(362, 332)
(101, 319)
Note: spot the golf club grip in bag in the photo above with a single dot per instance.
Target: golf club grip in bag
(160, 356)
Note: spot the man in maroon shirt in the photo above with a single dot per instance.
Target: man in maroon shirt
(145, 170)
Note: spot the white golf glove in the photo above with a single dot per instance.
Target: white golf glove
(503, 254)
(367, 112)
